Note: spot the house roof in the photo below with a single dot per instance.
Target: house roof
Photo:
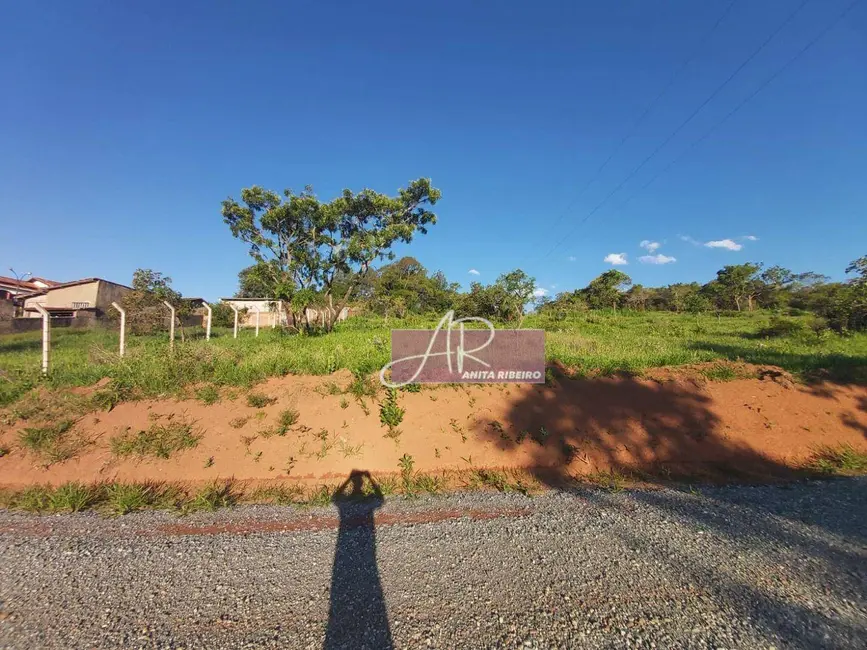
(40, 290)
(45, 281)
(19, 284)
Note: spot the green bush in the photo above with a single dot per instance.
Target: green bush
(779, 327)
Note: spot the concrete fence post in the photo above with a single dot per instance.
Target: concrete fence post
(171, 325)
(257, 318)
(46, 337)
(208, 325)
(122, 327)
(235, 309)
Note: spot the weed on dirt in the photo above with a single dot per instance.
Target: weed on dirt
(208, 394)
(73, 497)
(160, 439)
(219, 494)
(259, 400)
(52, 443)
(839, 460)
(391, 414)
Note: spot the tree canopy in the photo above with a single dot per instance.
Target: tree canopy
(301, 245)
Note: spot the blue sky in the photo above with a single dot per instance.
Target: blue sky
(123, 127)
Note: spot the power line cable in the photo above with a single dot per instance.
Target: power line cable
(647, 110)
(682, 125)
(767, 82)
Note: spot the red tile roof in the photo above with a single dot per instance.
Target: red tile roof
(20, 284)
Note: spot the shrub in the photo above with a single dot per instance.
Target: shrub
(223, 316)
(780, 327)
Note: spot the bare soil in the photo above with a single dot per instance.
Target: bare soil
(670, 423)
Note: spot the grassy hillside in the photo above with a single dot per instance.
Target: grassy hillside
(590, 343)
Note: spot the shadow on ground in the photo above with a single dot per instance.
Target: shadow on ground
(666, 430)
(821, 366)
(357, 616)
(659, 429)
(833, 542)
(850, 421)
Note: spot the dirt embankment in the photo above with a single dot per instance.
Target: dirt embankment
(670, 424)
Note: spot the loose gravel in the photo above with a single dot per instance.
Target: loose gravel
(719, 567)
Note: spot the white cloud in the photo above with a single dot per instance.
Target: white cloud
(473, 272)
(650, 245)
(656, 259)
(538, 293)
(617, 259)
(572, 258)
(728, 244)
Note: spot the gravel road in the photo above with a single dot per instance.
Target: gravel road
(723, 567)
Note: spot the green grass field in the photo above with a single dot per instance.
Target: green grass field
(589, 342)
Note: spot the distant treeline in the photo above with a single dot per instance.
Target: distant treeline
(405, 287)
(740, 287)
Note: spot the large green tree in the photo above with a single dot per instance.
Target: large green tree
(405, 286)
(606, 290)
(859, 268)
(146, 312)
(257, 281)
(304, 245)
(504, 300)
(739, 284)
(518, 288)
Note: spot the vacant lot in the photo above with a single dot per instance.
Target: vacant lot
(649, 395)
(592, 343)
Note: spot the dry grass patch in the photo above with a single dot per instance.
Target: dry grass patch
(841, 460)
(259, 400)
(160, 439)
(52, 443)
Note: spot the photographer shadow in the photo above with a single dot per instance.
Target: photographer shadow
(357, 616)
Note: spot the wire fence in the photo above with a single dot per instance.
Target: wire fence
(246, 315)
